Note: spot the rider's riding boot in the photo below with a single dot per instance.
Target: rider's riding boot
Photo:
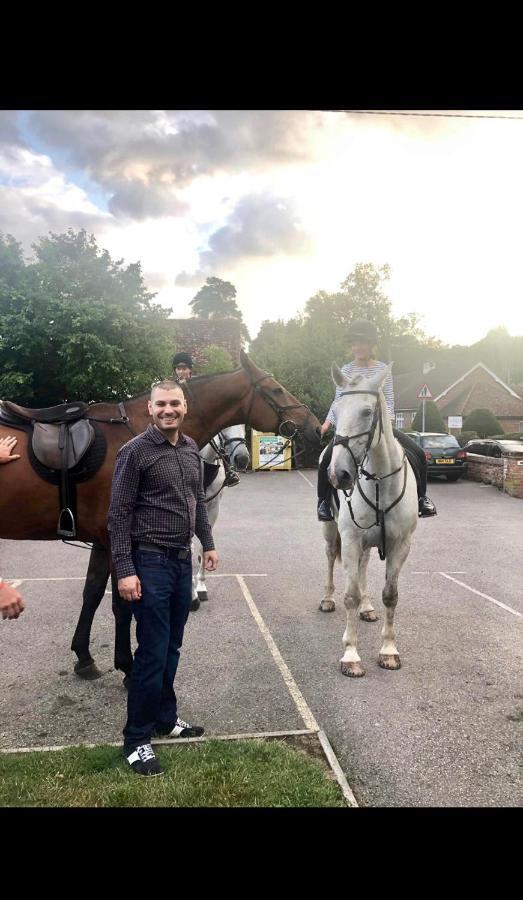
(232, 478)
(324, 509)
(426, 507)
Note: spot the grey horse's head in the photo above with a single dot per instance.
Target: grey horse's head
(357, 416)
(233, 441)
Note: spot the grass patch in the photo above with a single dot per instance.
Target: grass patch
(249, 773)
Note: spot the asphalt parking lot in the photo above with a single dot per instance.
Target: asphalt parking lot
(442, 731)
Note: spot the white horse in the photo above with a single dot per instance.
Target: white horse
(364, 445)
(232, 442)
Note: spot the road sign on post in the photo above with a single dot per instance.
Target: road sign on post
(424, 394)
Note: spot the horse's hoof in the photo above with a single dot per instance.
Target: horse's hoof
(90, 671)
(203, 595)
(327, 605)
(368, 616)
(195, 604)
(352, 669)
(389, 661)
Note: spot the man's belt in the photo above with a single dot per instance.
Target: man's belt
(170, 552)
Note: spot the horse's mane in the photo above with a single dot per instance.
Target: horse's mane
(197, 380)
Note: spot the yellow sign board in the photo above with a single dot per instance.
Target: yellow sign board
(269, 452)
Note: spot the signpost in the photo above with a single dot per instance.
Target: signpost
(424, 394)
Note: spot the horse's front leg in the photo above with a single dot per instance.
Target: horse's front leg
(195, 602)
(330, 533)
(201, 586)
(366, 609)
(389, 657)
(351, 661)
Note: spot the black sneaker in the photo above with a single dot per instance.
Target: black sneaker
(426, 507)
(184, 730)
(325, 510)
(142, 760)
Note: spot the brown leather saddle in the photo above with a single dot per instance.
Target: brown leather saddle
(61, 436)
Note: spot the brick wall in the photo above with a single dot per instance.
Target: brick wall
(505, 473)
(193, 335)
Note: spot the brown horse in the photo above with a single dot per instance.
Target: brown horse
(29, 506)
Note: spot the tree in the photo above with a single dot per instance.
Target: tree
(484, 422)
(215, 359)
(433, 418)
(215, 300)
(300, 352)
(75, 324)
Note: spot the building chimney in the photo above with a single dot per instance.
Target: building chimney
(428, 366)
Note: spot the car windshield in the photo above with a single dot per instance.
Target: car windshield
(439, 441)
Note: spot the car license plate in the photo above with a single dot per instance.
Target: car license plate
(444, 462)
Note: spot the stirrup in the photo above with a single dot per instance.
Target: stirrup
(61, 529)
(231, 479)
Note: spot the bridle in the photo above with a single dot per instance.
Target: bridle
(377, 420)
(256, 388)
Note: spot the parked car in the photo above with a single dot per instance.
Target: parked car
(491, 447)
(443, 454)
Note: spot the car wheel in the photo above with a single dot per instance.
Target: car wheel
(453, 476)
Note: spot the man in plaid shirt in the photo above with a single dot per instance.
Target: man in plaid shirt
(157, 505)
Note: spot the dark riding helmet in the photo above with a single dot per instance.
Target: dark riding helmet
(182, 359)
(361, 330)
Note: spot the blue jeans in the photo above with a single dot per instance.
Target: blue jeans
(161, 615)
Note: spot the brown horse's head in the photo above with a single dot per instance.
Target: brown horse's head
(270, 407)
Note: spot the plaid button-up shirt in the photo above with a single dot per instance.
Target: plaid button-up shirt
(157, 496)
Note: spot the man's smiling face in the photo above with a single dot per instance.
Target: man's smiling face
(167, 407)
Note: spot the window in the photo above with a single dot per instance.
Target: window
(400, 420)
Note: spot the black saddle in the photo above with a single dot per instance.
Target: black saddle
(60, 437)
(64, 412)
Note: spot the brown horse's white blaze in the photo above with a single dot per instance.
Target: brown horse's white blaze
(383, 455)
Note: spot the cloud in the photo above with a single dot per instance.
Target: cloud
(261, 225)
(141, 201)
(134, 153)
(9, 131)
(36, 198)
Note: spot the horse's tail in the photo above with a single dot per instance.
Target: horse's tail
(338, 546)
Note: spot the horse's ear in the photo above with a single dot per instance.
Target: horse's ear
(245, 362)
(337, 376)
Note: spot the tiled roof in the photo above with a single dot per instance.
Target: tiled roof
(463, 398)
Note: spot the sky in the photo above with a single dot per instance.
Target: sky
(284, 203)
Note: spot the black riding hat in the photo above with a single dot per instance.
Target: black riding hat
(182, 359)
(361, 330)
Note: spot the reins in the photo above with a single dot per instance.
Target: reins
(344, 440)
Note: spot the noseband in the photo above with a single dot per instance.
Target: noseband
(377, 419)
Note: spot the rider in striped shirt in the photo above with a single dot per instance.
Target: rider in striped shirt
(363, 337)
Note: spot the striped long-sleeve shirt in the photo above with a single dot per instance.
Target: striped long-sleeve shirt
(157, 496)
(352, 369)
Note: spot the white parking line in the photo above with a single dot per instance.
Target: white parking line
(305, 478)
(296, 694)
(480, 594)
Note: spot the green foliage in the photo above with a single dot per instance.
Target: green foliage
(215, 359)
(433, 418)
(464, 436)
(508, 436)
(216, 300)
(75, 324)
(484, 422)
